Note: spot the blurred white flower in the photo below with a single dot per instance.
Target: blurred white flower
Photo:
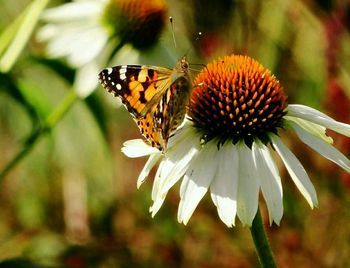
(75, 31)
(87, 32)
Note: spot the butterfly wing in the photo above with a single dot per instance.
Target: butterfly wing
(155, 96)
(149, 130)
(139, 86)
(171, 108)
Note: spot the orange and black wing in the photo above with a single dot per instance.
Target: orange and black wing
(155, 96)
(140, 87)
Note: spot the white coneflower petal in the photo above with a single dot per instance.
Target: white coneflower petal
(138, 148)
(71, 27)
(270, 184)
(173, 170)
(296, 171)
(157, 198)
(224, 186)
(85, 81)
(248, 186)
(185, 146)
(46, 32)
(73, 11)
(79, 54)
(60, 36)
(176, 160)
(151, 162)
(317, 117)
(196, 182)
(323, 148)
(314, 129)
(170, 172)
(71, 40)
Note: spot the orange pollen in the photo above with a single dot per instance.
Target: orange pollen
(236, 98)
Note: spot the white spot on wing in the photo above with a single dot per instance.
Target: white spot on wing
(109, 70)
(119, 86)
(122, 72)
(123, 69)
(160, 105)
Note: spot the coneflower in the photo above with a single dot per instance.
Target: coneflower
(236, 113)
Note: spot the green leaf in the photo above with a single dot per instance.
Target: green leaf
(14, 38)
(58, 66)
(9, 85)
(34, 98)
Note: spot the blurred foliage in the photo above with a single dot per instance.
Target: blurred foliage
(72, 201)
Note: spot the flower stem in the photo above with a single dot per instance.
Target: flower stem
(261, 242)
(50, 122)
(61, 109)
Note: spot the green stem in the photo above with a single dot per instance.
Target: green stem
(119, 45)
(17, 158)
(49, 123)
(261, 242)
(61, 109)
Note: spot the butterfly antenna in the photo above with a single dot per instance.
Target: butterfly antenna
(199, 34)
(172, 31)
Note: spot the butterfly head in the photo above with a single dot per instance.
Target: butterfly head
(184, 64)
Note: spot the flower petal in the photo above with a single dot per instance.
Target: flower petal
(296, 171)
(179, 156)
(59, 36)
(73, 11)
(184, 146)
(152, 160)
(85, 79)
(138, 148)
(248, 186)
(157, 198)
(196, 181)
(323, 148)
(315, 116)
(314, 129)
(224, 186)
(97, 39)
(270, 181)
(70, 39)
(46, 32)
(169, 173)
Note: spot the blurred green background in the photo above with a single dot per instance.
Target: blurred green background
(71, 201)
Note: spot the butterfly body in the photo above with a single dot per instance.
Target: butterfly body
(155, 96)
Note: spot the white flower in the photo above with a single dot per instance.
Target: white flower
(75, 31)
(232, 159)
(89, 32)
(235, 173)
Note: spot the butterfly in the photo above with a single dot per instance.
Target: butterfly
(155, 96)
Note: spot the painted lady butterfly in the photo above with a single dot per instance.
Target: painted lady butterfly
(155, 96)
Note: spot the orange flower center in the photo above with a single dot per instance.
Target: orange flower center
(236, 98)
